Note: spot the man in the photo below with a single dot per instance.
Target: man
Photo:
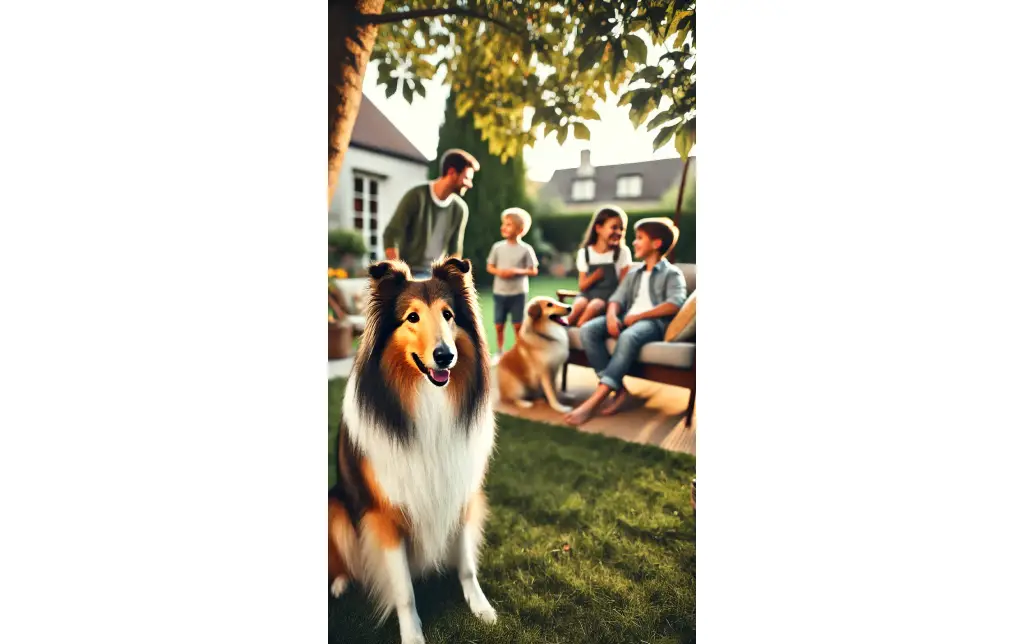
(430, 220)
(650, 295)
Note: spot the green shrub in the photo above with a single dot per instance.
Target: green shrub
(565, 232)
(343, 241)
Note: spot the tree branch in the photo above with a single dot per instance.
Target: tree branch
(399, 16)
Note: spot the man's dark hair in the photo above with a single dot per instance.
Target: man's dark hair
(458, 160)
(656, 230)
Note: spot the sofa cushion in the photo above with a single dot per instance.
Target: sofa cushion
(683, 327)
(668, 354)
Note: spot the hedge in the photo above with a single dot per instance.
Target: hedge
(565, 232)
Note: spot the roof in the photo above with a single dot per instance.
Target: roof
(658, 177)
(374, 132)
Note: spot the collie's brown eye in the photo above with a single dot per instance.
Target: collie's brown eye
(447, 314)
(413, 317)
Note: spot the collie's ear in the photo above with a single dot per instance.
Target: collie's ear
(452, 266)
(389, 276)
(389, 269)
(535, 311)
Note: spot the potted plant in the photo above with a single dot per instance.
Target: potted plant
(345, 249)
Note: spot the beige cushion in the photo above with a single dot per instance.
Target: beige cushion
(668, 354)
(683, 327)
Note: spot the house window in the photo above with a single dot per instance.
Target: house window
(583, 190)
(366, 217)
(629, 186)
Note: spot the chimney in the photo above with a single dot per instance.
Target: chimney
(585, 169)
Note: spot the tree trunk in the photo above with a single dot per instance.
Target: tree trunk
(348, 52)
(679, 202)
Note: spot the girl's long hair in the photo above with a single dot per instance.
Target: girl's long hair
(601, 215)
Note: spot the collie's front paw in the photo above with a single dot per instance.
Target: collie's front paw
(486, 614)
(480, 607)
(525, 404)
(413, 635)
(413, 638)
(559, 407)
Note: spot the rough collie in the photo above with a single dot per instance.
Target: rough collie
(415, 439)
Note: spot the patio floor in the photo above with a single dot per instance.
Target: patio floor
(658, 422)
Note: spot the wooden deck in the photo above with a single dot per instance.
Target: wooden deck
(658, 422)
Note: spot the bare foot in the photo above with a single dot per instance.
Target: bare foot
(581, 414)
(623, 401)
(607, 402)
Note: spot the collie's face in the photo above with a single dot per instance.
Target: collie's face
(421, 328)
(426, 332)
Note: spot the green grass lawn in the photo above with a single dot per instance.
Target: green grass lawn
(623, 510)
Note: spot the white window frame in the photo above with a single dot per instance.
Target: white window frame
(583, 195)
(629, 186)
(367, 197)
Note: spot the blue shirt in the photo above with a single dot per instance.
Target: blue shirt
(667, 285)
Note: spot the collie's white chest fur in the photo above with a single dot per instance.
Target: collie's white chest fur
(432, 477)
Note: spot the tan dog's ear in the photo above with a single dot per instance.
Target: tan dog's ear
(534, 311)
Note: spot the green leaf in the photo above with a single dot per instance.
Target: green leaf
(384, 70)
(591, 54)
(627, 97)
(685, 139)
(407, 91)
(563, 132)
(618, 58)
(648, 74)
(581, 131)
(655, 16)
(420, 88)
(663, 137)
(590, 114)
(637, 49)
(392, 87)
(661, 119)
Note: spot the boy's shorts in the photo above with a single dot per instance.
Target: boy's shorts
(505, 305)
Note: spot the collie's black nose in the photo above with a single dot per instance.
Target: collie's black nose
(443, 356)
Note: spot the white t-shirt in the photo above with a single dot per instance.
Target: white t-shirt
(643, 303)
(625, 259)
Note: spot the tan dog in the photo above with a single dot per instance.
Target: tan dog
(528, 370)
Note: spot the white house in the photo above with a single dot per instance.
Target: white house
(633, 186)
(380, 166)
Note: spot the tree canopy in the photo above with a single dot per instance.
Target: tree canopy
(501, 57)
(523, 69)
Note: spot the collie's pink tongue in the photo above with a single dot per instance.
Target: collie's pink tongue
(439, 375)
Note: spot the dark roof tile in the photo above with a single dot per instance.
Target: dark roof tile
(658, 177)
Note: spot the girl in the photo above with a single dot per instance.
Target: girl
(602, 261)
